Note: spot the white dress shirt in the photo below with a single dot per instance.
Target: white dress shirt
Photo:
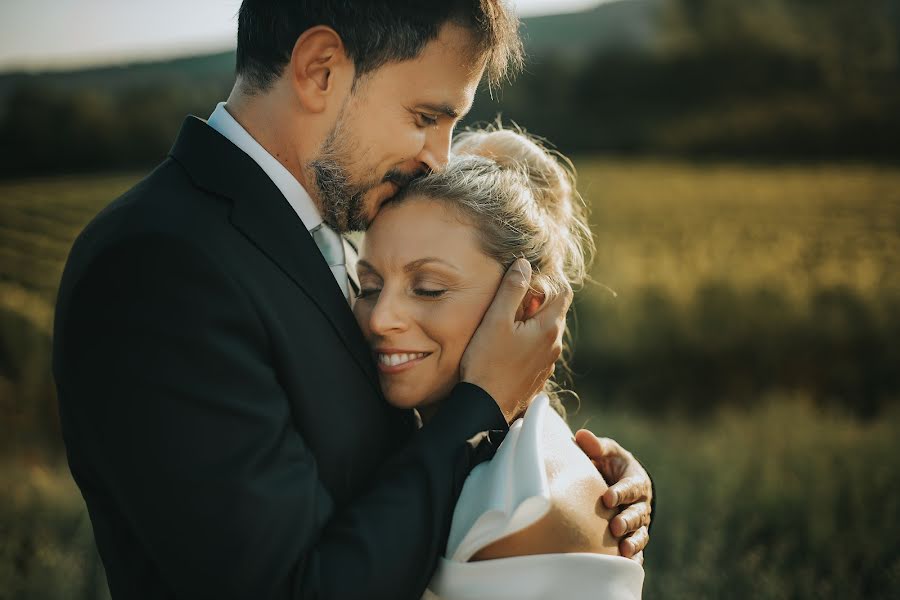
(294, 193)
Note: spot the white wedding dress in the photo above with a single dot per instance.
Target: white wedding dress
(504, 496)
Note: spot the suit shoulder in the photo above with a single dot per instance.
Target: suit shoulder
(165, 202)
(163, 208)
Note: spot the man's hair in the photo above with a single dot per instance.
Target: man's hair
(374, 32)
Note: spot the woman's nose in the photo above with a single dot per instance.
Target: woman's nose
(387, 316)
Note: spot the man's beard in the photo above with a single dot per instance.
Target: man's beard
(342, 201)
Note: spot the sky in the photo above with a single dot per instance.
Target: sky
(41, 34)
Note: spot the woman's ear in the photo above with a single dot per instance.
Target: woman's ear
(317, 60)
(530, 305)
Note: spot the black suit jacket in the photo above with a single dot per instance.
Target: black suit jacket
(221, 410)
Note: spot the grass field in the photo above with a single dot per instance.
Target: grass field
(748, 355)
(732, 281)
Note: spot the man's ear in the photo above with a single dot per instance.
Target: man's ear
(530, 305)
(318, 62)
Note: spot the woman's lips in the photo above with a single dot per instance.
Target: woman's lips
(396, 361)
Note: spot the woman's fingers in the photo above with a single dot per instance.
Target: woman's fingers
(509, 359)
(635, 543)
(631, 519)
(639, 558)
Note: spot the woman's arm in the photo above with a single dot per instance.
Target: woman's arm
(577, 521)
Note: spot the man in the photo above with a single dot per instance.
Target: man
(220, 408)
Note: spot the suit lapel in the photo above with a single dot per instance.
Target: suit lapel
(264, 216)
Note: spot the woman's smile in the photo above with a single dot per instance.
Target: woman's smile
(392, 361)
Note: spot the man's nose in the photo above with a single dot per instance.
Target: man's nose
(436, 151)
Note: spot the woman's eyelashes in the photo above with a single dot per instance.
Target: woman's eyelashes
(423, 284)
(370, 292)
(367, 292)
(429, 293)
(428, 284)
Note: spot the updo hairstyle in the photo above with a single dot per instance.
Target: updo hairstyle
(521, 197)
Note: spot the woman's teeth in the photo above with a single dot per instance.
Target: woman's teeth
(392, 360)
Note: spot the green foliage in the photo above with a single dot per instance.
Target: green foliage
(47, 549)
(50, 130)
(850, 41)
(776, 501)
(776, 78)
(733, 280)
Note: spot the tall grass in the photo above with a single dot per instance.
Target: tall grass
(39, 220)
(729, 281)
(780, 500)
(47, 549)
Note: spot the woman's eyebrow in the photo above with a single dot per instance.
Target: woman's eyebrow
(416, 264)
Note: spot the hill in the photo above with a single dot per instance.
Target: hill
(618, 26)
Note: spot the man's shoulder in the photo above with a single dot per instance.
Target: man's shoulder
(164, 205)
(165, 202)
(165, 198)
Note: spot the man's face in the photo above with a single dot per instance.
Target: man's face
(395, 125)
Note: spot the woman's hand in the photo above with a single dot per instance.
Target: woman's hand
(630, 487)
(509, 359)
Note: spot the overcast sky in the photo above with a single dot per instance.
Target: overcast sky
(37, 34)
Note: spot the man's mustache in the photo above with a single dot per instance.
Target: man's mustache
(402, 179)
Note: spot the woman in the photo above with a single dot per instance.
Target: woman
(527, 524)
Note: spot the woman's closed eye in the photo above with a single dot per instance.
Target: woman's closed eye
(429, 293)
(365, 292)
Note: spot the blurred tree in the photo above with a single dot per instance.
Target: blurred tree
(771, 78)
(855, 43)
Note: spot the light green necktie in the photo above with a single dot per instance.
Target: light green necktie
(331, 245)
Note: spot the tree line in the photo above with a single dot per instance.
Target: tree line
(808, 79)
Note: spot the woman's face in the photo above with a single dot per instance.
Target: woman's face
(425, 285)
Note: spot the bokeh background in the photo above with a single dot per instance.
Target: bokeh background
(742, 165)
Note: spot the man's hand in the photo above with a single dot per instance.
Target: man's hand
(630, 488)
(512, 359)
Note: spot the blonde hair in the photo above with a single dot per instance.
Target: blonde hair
(522, 198)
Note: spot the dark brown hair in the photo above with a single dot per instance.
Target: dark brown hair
(374, 32)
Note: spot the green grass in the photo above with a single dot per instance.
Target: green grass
(46, 544)
(781, 500)
(798, 228)
(748, 356)
(732, 280)
(39, 219)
